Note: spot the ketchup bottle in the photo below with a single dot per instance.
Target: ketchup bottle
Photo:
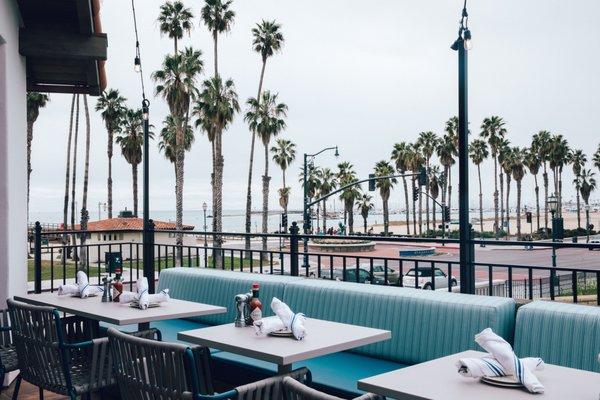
(255, 304)
(117, 286)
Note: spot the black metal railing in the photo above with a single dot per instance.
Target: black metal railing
(57, 257)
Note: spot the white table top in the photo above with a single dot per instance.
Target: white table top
(120, 314)
(324, 337)
(439, 379)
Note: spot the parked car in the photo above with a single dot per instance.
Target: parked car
(594, 241)
(379, 272)
(364, 276)
(424, 278)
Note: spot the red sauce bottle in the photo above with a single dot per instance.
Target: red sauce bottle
(255, 304)
(117, 287)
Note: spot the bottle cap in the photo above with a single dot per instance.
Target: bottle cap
(255, 286)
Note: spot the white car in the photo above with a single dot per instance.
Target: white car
(424, 280)
(595, 241)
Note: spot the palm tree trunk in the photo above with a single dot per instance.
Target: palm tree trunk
(65, 239)
(74, 177)
(496, 220)
(86, 171)
(578, 206)
(420, 213)
(427, 199)
(29, 141)
(407, 205)
(501, 174)
(134, 176)
(414, 208)
(179, 164)
(218, 205)
(519, 209)
(587, 220)
(350, 225)
(249, 188)
(215, 40)
(386, 221)
(365, 224)
(508, 204)
(560, 191)
(480, 200)
(265, 213)
(537, 201)
(545, 176)
(109, 181)
(175, 45)
(434, 220)
(449, 188)
(324, 216)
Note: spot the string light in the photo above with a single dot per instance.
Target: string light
(464, 33)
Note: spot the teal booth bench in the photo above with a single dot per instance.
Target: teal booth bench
(424, 324)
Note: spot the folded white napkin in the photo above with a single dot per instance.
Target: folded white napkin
(489, 366)
(82, 287)
(267, 325)
(501, 351)
(142, 297)
(293, 322)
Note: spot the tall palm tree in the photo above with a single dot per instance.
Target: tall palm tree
(312, 182)
(267, 40)
(492, 129)
(111, 107)
(176, 83)
(168, 135)
(577, 159)
(518, 172)
(364, 205)
(74, 169)
(451, 129)
(131, 140)
(65, 238)
(427, 142)
(558, 156)
(588, 185)
(384, 168)
(533, 162)
(417, 161)
(86, 172)
(478, 151)
(434, 190)
(174, 20)
(218, 18)
(540, 144)
(328, 182)
(284, 153)
(347, 176)
(215, 109)
(505, 158)
(401, 160)
(35, 102)
(266, 118)
(446, 151)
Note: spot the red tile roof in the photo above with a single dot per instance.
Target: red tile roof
(128, 223)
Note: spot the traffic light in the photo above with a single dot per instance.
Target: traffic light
(284, 220)
(446, 214)
(415, 194)
(371, 182)
(528, 217)
(422, 177)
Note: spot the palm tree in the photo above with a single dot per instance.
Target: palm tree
(478, 151)
(505, 158)
(434, 190)
(346, 176)
(284, 153)
(533, 162)
(451, 129)
(588, 185)
(74, 170)
(400, 157)
(175, 19)
(68, 174)
(427, 142)
(417, 162)
(446, 151)
(312, 182)
(558, 156)
(131, 140)
(86, 171)
(328, 182)
(215, 109)
(596, 158)
(176, 83)
(35, 102)
(492, 129)
(577, 159)
(267, 40)
(384, 168)
(168, 136)
(111, 105)
(218, 18)
(518, 172)
(540, 145)
(364, 205)
(266, 118)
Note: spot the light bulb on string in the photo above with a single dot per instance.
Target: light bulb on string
(137, 65)
(467, 40)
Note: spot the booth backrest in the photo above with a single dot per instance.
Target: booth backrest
(562, 334)
(424, 324)
(218, 287)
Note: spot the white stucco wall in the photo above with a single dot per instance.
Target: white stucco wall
(13, 174)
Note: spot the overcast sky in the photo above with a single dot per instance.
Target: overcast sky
(361, 75)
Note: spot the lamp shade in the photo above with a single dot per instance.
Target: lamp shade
(553, 203)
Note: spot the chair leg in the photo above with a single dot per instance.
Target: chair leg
(15, 395)
(41, 392)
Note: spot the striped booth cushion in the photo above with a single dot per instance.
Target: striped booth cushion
(424, 324)
(562, 334)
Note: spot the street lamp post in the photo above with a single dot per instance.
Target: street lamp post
(587, 222)
(553, 205)
(462, 45)
(204, 208)
(305, 209)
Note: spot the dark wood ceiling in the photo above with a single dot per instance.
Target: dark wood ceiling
(64, 49)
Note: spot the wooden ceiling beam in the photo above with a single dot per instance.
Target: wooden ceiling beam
(51, 44)
(91, 90)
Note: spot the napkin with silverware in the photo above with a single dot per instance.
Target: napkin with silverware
(82, 287)
(141, 295)
(284, 318)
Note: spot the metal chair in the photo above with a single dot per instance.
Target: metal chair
(49, 357)
(171, 371)
(295, 390)
(8, 353)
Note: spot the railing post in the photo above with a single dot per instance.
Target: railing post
(148, 255)
(37, 257)
(294, 249)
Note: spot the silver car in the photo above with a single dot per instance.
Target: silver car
(424, 279)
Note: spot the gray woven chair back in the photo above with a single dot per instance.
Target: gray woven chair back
(270, 388)
(5, 337)
(36, 339)
(295, 390)
(149, 369)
